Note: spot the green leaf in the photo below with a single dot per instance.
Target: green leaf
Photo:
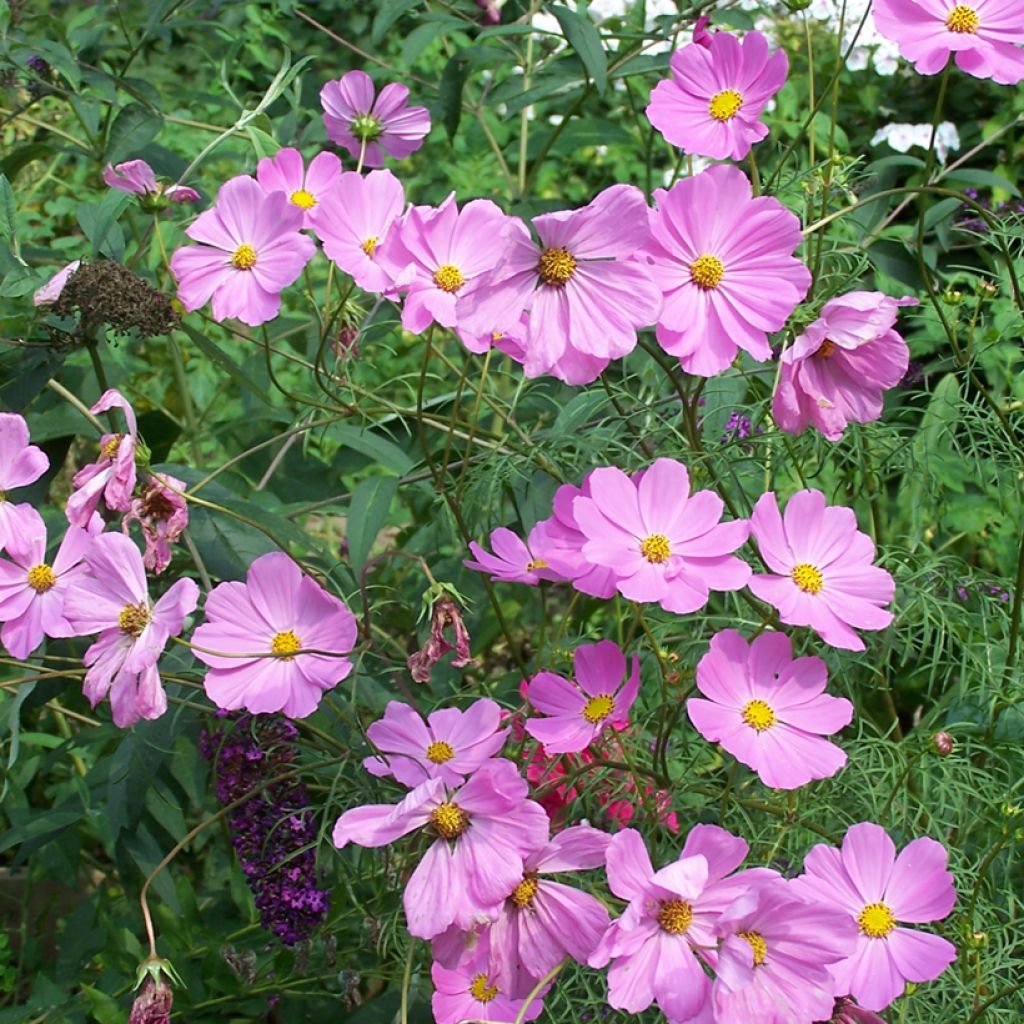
(386, 453)
(228, 365)
(367, 513)
(940, 211)
(582, 35)
(134, 128)
(99, 222)
(389, 13)
(8, 226)
(984, 178)
(102, 1007)
(453, 79)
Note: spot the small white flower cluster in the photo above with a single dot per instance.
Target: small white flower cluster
(901, 136)
(868, 45)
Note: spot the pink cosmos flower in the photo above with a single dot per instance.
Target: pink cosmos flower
(112, 599)
(449, 745)
(305, 187)
(255, 630)
(663, 544)
(513, 561)
(250, 249)
(353, 220)
(137, 178)
(825, 577)
(718, 89)
(768, 710)
(772, 963)
(877, 889)
(541, 922)
(50, 292)
(578, 714)
(701, 35)
(162, 513)
(481, 833)
(112, 476)
(362, 121)
(584, 296)
(722, 259)
(836, 371)
(439, 255)
(985, 35)
(32, 590)
(21, 464)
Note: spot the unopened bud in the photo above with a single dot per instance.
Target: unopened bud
(943, 744)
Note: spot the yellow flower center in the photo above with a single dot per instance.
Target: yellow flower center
(598, 709)
(756, 942)
(656, 548)
(285, 645)
(523, 893)
(556, 266)
(109, 449)
(42, 578)
(449, 278)
(675, 916)
(758, 715)
(963, 19)
(481, 991)
(300, 197)
(706, 271)
(244, 257)
(725, 105)
(133, 619)
(537, 563)
(439, 751)
(827, 350)
(369, 245)
(808, 578)
(450, 820)
(876, 920)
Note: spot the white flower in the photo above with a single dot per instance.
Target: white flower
(901, 136)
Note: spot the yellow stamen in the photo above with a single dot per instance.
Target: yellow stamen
(302, 198)
(244, 257)
(450, 820)
(109, 449)
(556, 266)
(369, 245)
(725, 105)
(808, 578)
(598, 709)
(449, 278)
(42, 578)
(706, 271)
(537, 563)
(876, 920)
(758, 715)
(827, 350)
(756, 942)
(656, 548)
(481, 991)
(285, 645)
(133, 619)
(439, 751)
(523, 893)
(963, 19)
(675, 916)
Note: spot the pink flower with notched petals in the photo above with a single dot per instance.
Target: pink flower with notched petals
(984, 35)
(718, 89)
(723, 261)
(305, 187)
(112, 476)
(825, 579)
(584, 296)
(354, 219)
(877, 889)
(449, 745)
(162, 513)
(254, 632)
(513, 560)
(481, 832)
(21, 464)
(362, 121)
(50, 292)
(662, 543)
(578, 714)
(768, 710)
(251, 247)
(112, 599)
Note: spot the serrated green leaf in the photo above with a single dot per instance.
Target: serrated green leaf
(368, 510)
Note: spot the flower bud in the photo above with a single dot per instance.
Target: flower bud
(943, 744)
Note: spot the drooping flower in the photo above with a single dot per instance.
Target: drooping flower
(254, 633)
(481, 834)
(112, 599)
(835, 372)
(513, 560)
(305, 187)
(701, 35)
(768, 710)
(984, 35)
(251, 247)
(137, 178)
(722, 259)
(449, 745)
(153, 1004)
(585, 298)
(577, 714)
(878, 889)
(662, 543)
(360, 120)
(49, 293)
(846, 1011)
(445, 615)
(354, 219)
(21, 464)
(112, 476)
(825, 579)
(718, 89)
(162, 513)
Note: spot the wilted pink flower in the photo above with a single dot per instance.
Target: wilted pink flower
(513, 560)
(153, 1004)
(769, 711)
(256, 630)
(50, 292)
(483, 831)
(836, 371)
(162, 513)
(449, 745)
(112, 599)
(662, 543)
(137, 178)
(826, 579)
(251, 248)
(584, 296)
(364, 122)
(722, 258)
(577, 714)
(846, 1011)
(877, 889)
(718, 89)
(701, 35)
(984, 35)
(491, 11)
(354, 219)
(21, 464)
(445, 614)
(305, 187)
(112, 476)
